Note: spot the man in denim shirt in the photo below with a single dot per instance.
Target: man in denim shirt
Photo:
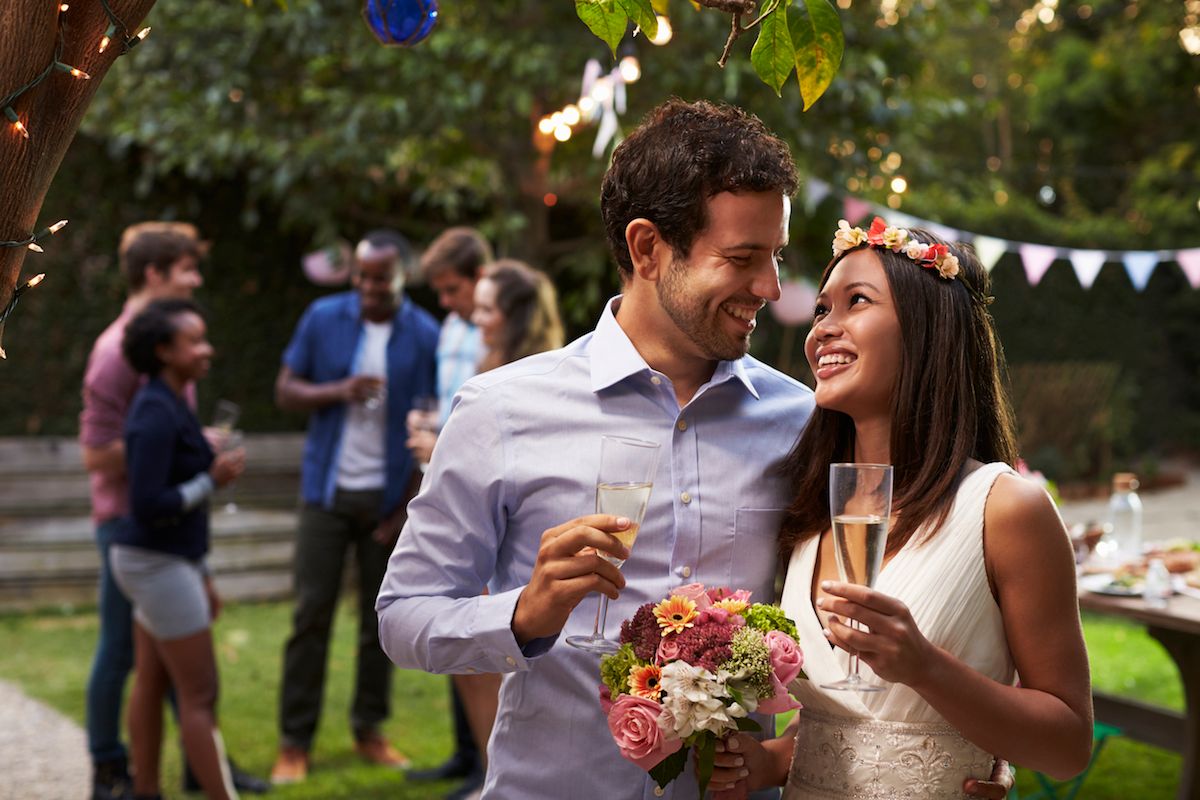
(355, 363)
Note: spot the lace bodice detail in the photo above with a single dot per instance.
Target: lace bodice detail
(892, 744)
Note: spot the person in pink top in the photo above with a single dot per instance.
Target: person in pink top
(160, 260)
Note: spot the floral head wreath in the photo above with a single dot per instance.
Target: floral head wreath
(929, 256)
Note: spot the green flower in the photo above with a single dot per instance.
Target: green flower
(751, 661)
(767, 618)
(614, 669)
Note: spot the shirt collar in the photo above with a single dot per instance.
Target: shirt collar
(353, 308)
(614, 358)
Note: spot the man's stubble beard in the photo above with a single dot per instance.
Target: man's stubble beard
(692, 319)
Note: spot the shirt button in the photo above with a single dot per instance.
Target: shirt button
(512, 662)
(682, 425)
(655, 380)
(686, 498)
(685, 572)
(659, 791)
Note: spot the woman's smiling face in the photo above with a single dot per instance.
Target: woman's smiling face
(854, 347)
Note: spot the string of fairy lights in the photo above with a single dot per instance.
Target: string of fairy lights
(116, 30)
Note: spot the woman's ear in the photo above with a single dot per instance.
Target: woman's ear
(647, 249)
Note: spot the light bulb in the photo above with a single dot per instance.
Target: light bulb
(664, 31)
(630, 69)
(562, 133)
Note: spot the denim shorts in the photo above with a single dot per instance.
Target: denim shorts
(167, 591)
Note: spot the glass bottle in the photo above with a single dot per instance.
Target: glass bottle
(1124, 534)
(1157, 586)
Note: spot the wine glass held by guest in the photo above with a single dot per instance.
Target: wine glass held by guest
(158, 561)
(978, 580)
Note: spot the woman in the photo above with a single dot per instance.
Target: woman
(159, 560)
(978, 580)
(516, 311)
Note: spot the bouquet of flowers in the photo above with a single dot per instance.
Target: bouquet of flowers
(690, 671)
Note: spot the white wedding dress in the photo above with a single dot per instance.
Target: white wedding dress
(892, 744)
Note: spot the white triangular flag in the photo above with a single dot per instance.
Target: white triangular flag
(1140, 264)
(1037, 258)
(989, 251)
(815, 190)
(1087, 264)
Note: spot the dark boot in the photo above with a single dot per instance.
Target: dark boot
(242, 781)
(110, 780)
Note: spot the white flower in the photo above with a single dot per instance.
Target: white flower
(894, 238)
(696, 701)
(847, 238)
(948, 267)
(915, 250)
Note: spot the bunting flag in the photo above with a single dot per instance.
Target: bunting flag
(815, 190)
(1189, 262)
(1087, 264)
(989, 251)
(1139, 264)
(855, 209)
(1037, 258)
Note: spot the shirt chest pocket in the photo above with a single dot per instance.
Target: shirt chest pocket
(755, 554)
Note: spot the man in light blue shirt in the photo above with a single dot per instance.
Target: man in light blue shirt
(696, 207)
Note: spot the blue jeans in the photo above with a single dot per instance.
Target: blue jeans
(114, 657)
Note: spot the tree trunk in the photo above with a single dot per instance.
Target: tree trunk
(52, 110)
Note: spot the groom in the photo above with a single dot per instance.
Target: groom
(696, 208)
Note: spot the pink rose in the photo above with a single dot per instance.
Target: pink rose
(694, 592)
(786, 658)
(725, 593)
(778, 703)
(668, 649)
(633, 722)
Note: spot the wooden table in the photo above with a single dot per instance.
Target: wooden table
(1177, 628)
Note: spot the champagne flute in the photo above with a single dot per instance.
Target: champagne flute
(426, 418)
(860, 504)
(225, 418)
(623, 486)
(232, 441)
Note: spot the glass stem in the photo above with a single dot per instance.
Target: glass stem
(601, 618)
(854, 676)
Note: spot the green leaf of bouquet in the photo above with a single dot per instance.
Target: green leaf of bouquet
(605, 19)
(817, 37)
(706, 753)
(642, 14)
(773, 56)
(747, 724)
(669, 768)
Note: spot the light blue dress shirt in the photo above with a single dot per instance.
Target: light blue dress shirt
(518, 456)
(459, 351)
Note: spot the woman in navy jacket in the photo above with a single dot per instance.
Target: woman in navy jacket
(158, 561)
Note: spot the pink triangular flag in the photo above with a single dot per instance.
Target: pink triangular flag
(1037, 258)
(1189, 262)
(1087, 264)
(989, 250)
(855, 209)
(1140, 264)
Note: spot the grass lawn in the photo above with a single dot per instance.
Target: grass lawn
(49, 656)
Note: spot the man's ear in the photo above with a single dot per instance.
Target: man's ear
(649, 253)
(153, 276)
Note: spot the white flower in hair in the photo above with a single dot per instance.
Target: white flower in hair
(894, 238)
(847, 238)
(948, 267)
(914, 249)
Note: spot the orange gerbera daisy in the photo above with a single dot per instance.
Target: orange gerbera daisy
(732, 605)
(675, 614)
(645, 681)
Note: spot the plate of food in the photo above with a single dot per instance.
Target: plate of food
(1125, 584)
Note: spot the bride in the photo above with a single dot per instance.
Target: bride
(978, 583)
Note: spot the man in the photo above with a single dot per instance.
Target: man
(355, 363)
(452, 265)
(696, 211)
(159, 260)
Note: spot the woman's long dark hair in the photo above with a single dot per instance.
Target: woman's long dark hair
(948, 406)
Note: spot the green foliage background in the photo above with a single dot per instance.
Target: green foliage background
(278, 131)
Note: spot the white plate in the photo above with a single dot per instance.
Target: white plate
(1103, 584)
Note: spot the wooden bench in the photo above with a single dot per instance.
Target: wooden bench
(48, 554)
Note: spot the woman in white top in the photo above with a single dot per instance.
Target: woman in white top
(978, 583)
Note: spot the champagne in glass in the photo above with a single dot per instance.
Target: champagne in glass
(860, 504)
(623, 485)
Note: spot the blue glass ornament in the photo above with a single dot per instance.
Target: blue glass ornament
(400, 22)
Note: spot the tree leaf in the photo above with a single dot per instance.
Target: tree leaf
(660, 6)
(605, 19)
(773, 56)
(669, 768)
(817, 37)
(642, 14)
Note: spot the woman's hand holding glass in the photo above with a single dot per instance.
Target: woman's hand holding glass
(894, 648)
